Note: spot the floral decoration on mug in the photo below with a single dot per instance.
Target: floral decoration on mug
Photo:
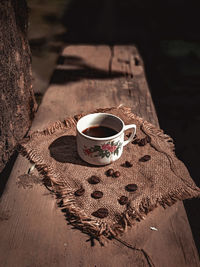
(103, 150)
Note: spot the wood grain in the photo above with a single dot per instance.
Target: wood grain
(33, 229)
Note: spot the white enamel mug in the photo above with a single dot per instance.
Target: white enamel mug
(102, 150)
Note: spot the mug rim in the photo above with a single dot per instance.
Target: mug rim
(100, 138)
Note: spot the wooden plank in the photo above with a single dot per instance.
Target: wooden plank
(88, 77)
(33, 230)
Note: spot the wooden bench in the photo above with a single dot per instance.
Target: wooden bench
(33, 230)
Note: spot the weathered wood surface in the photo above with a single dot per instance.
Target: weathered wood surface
(33, 230)
(17, 104)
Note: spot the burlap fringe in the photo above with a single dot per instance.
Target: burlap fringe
(76, 216)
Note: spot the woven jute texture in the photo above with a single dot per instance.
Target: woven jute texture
(161, 180)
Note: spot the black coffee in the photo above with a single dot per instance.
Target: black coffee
(99, 131)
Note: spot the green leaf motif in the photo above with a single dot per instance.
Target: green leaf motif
(97, 148)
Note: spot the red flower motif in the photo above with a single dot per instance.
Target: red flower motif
(108, 147)
(87, 151)
(112, 149)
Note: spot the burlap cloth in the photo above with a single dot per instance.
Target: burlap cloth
(161, 180)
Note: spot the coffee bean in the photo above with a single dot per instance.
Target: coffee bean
(97, 194)
(142, 142)
(131, 187)
(148, 139)
(123, 200)
(101, 213)
(145, 158)
(116, 174)
(79, 192)
(128, 164)
(136, 141)
(94, 179)
(110, 172)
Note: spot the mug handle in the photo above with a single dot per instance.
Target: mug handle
(126, 127)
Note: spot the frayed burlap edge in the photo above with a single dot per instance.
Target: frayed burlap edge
(76, 216)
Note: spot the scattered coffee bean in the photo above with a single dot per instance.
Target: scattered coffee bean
(145, 158)
(97, 194)
(142, 142)
(128, 164)
(94, 179)
(136, 141)
(79, 192)
(101, 213)
(116, 174)
(131, 187)
(110, 172)
(148, 139)
(123, 200)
